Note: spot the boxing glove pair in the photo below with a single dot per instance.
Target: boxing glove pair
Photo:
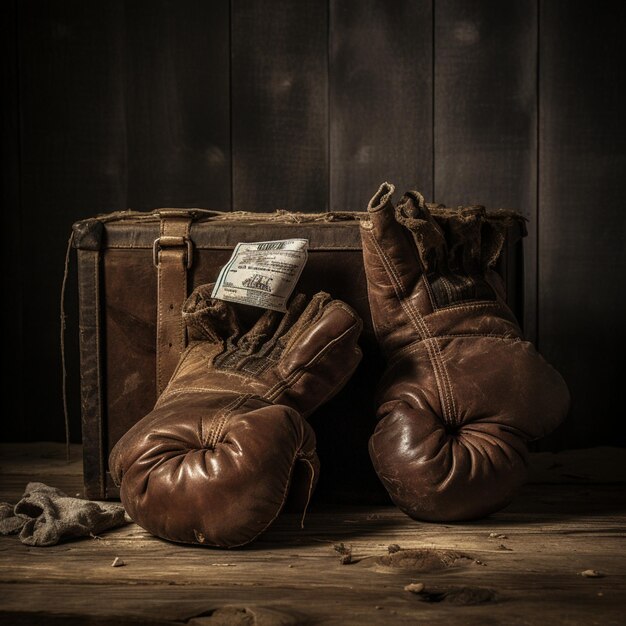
(227, 443)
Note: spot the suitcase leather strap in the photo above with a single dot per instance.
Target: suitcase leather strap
(173, 256)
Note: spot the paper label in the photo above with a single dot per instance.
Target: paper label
(263, 273)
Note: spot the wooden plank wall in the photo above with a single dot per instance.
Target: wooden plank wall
(72, 160)
(380, 99)
(175, 86)
(486, 114)
(279, 105)
(582, 221)
(244, 104)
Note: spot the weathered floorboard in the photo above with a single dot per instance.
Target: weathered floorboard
(533, 564)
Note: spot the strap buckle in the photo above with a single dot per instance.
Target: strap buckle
(169, 241)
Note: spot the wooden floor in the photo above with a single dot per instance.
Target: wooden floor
(521, 566)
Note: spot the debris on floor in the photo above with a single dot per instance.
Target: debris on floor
(460, 596)
(345, 553)
(497, 536)
(592, 573)
(424, 560)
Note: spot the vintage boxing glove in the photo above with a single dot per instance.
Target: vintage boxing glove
(227, 440)
(462, 392)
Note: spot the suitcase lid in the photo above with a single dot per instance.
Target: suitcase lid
(336, 230)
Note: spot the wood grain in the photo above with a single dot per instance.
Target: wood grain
(380, 99)
(117, 104)
(486, 114)
(178, 103)
(120, 103)
(582, 258)
(531, 554)
(72, 165)
(279, 105)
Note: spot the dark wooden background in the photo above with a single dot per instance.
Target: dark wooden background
(309, 105)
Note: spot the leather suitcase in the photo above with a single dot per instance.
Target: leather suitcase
(134, 271)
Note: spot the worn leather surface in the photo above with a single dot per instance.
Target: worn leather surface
(462, 392)
(170, 257)
(227, 441)
(118, 332)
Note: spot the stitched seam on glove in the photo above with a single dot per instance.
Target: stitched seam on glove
(449, 415)
(444, 386)
(219, 419)
(204, 437)
(284, 383)
(175, 392)
(447, 286)
(468, 307)
(321, 401)
(338, 387)
(183, 358)
(295, 459)
(414, 347)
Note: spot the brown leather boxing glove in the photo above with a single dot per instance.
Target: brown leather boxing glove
(462, 392)
(227, 440)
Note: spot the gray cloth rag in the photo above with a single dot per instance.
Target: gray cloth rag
(45, 515)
